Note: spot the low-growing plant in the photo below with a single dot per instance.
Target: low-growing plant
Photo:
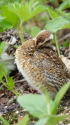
(42, 107)
(5, 79)
(21, 13)
(24, 121)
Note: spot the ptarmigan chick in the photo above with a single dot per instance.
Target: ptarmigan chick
(39, 64)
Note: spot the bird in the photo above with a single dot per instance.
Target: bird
(12, 39)
(40, 65)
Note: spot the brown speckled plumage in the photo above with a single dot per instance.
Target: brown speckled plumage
(41, 65)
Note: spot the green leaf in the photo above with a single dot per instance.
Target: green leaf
(24, 121)
(9, 15)
(1, 73)
(65, 4)
(41, 1)
(66, 26)
(51, 119)
(58, 97)
(34, 104)
(34, 31)
(54, 119)
(4, 25)
(58, 23)
(38, 9)
(52, 12)
(49, 100)
(5, 122)
(2, 46)
(53, 1)
(5, 2)
(41, 121)
(26, 11)
(14, 13)
(21, 11)
(66, 43)
(3, 70)
(10, 84)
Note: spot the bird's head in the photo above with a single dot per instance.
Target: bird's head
(43, 37)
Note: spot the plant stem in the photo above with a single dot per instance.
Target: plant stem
(4, 74)
(16, 93)
(20, 30)
(57, 45)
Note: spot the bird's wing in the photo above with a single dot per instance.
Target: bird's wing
(53, 69)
